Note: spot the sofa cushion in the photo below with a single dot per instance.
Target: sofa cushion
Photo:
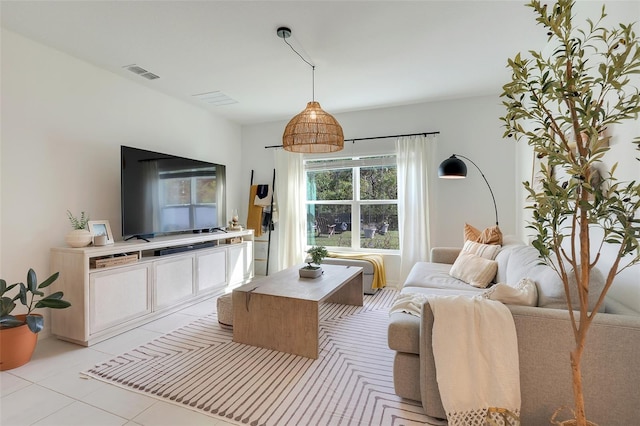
(524, 293)
(509, 243)
(444, 254)
(596, 285)
(403, 333)
(487, 251)
(427, 275)
(551, 293)
(491, 235)
(474, 270)
(523, 261)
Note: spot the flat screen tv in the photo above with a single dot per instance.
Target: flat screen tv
(164, 194)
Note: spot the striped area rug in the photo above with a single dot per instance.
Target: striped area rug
(200, 367)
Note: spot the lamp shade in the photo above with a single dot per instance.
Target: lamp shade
(452, 168)
(455, 168)
(313, 131)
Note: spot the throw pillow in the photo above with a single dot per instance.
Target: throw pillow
(491, 235)
(524, 293)
(487, 251)
(596, 285)
(473, 269)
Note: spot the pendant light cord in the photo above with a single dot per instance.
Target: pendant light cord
(313, 70)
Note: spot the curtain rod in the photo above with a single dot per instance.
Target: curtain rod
(375, 137)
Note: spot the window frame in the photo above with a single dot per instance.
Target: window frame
(355, 162)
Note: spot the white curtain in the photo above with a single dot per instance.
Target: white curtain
(415, 156)
(291, 209)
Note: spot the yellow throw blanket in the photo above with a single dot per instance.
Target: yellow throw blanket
(379, 274)
(254, 215)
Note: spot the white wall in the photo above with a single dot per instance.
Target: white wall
(470, 127)
(63, 121)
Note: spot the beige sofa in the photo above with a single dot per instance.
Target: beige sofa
(611, 366)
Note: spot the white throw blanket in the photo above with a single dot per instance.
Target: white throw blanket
(409, 303)
(476, 356)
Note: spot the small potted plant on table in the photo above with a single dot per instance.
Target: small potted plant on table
(80, 236)
(317, 253)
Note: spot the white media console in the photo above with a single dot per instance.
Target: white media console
(118, 287)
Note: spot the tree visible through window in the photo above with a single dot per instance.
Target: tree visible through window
(353, 202)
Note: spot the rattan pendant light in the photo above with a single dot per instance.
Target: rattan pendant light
(313, 130)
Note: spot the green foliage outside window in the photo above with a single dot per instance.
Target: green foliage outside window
(330, 185)
(378, 183)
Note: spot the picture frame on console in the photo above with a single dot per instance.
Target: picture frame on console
(100, 228)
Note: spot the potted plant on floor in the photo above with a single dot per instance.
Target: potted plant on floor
(80, 236)
(18, 333)
(317, 253)
(562, 105)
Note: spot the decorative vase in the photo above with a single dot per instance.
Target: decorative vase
(306, 272)
(16, 345)
(78, 238)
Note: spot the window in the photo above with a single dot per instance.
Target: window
(353, 202)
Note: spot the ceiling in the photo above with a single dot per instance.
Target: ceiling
(368, 54)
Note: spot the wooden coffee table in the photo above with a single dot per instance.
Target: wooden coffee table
(280, 311)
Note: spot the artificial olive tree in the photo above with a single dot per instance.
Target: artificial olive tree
(564, 105)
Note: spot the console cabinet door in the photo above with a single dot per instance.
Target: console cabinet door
(174, 280)
(240, 266)
(118, 295)
(212, 270)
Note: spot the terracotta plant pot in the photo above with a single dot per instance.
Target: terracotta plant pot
(16, 345)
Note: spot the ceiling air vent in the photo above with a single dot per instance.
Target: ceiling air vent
(216, 98)
(141, 72)
(150, 76)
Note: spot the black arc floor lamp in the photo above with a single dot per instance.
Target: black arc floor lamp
(454, 168)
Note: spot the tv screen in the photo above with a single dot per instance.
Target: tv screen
(164, 194)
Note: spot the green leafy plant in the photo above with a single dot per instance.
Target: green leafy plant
(32, 297)
(317, 253)
(78, 223)
(562, 105)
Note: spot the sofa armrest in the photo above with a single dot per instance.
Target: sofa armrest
(445, 254)
(544, 342)
(429, 392)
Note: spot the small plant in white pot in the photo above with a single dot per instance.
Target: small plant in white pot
(316, 253)
(80, 236)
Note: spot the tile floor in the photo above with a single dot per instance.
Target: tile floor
(50, 390)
